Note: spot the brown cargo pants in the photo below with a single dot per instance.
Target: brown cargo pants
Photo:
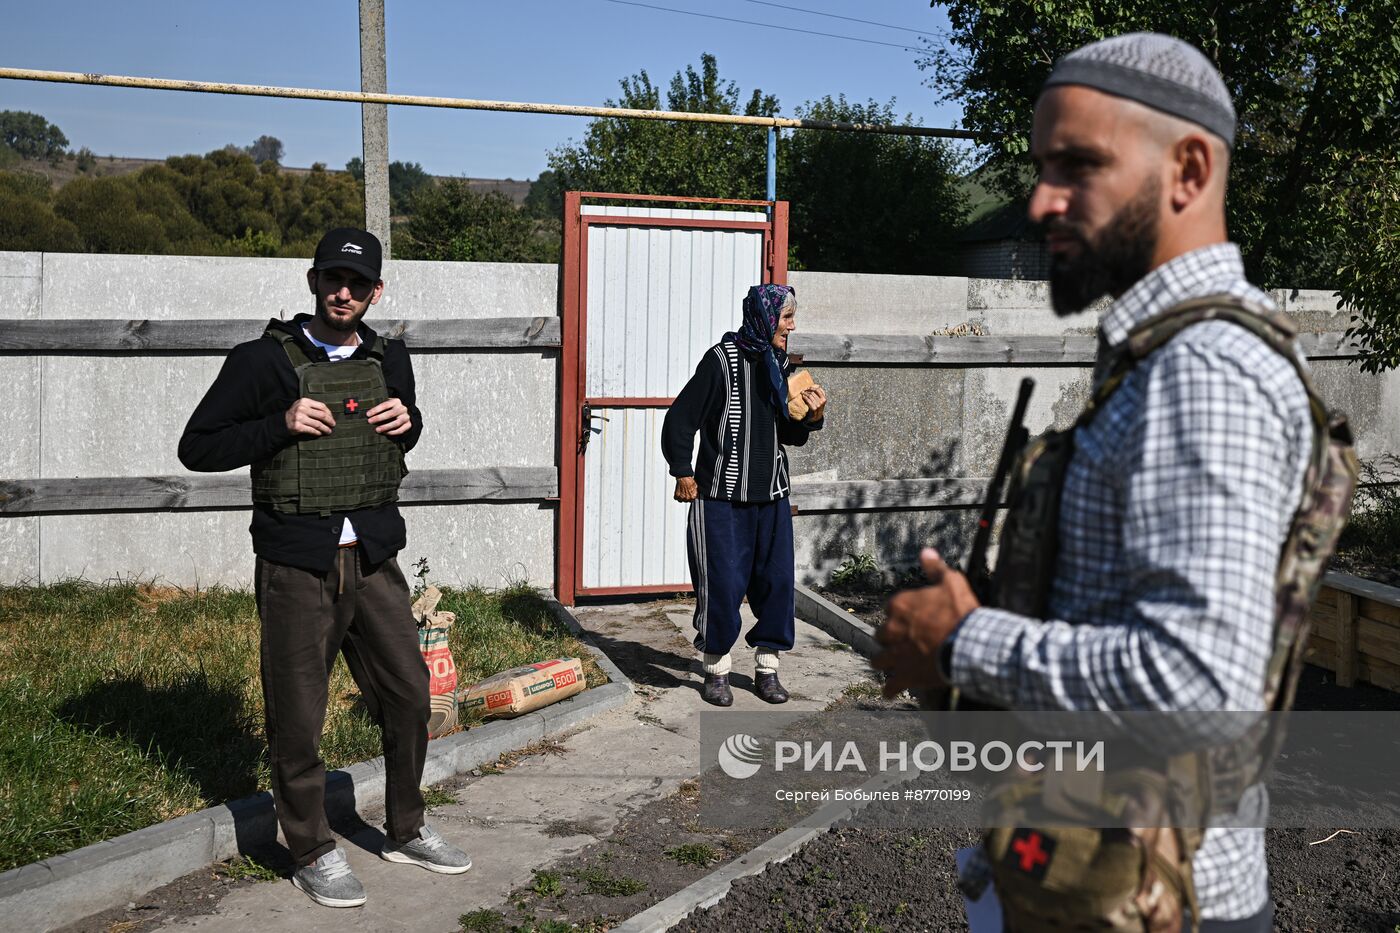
(307, 619)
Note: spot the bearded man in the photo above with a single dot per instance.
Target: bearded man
(323, 408)
(1182, 478)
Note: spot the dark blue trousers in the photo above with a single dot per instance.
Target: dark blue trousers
(740, 549)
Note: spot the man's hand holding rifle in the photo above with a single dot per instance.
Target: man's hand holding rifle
(919, 623)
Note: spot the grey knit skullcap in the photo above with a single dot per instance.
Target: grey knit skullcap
(1159, 71)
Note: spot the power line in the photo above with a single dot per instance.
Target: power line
(749, 22)
(850, 19)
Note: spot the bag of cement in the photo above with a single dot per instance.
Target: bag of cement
(524, 689)
(433, 630)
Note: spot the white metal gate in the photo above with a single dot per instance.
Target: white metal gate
(655, 287)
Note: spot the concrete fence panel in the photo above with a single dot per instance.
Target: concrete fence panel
(907, 403)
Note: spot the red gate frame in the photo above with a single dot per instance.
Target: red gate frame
(569, 538)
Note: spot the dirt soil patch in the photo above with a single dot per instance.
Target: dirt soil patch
(866, 879)
(655, 851)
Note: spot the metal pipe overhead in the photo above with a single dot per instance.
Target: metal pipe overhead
(465, 103)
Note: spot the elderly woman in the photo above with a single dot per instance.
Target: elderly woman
(740, 538)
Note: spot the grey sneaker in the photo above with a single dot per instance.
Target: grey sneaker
(429, 850)
(329, 881)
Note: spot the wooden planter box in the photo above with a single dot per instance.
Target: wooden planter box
(1356, 631)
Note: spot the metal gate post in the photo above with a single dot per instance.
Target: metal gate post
(772, 168)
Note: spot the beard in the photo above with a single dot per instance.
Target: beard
(343, 326)
(1111, 262)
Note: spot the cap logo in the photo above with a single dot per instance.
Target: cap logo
(352, 248)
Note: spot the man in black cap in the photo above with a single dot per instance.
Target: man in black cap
(323, 410)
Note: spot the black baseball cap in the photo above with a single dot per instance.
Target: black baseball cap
(349, 248)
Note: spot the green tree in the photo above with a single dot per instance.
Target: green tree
(266, 149)
(130, 214)
(404, 179)
(450, 221)
(1364, 197)
(868, 203)
(27, 220)
(1315, 85)
(545, 199)
(31, 135)
(655, 157)
(219, 204)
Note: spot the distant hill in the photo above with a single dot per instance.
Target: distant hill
(67, 169)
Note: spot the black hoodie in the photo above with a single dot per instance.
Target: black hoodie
(242, 419)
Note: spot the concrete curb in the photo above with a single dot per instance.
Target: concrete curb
(66, 888)
(818, 611)
(711, 889)
(815, 609)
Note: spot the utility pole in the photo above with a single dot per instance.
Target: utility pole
(374, 119)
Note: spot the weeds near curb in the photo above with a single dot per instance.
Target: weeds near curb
(246, 868)
(508, 760)
(548, 884)
(482, 921)
(693, 853)
(434, 797)
(606, 884)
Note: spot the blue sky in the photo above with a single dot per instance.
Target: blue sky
(533, 50)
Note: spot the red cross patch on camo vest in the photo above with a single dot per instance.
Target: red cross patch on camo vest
(352, 406)
(1030, 852)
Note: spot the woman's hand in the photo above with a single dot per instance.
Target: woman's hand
(686, 490)
(815, 397)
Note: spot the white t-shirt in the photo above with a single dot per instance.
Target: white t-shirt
(336, 354)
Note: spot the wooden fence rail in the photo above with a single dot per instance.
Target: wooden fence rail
(881, 495)
(1008, 350)
(1356, 631)
(70, 335)
(421, 487)
(143, 336)
(230, 491)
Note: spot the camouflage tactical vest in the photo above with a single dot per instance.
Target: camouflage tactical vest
(353, 467)
(1097, 880)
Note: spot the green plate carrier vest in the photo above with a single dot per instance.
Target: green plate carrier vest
(1096, 880)
(353, 467)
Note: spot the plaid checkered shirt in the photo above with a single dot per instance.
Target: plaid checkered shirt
(1175, 507)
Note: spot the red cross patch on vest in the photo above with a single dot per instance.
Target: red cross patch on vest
(1030, 852)
(352, 406)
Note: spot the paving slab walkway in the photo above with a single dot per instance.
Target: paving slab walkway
(547, 807)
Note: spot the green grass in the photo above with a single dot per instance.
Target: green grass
(604, 883)
(124, 704)
(246, 867)
(862, 690)
(693, 853)
(483, 921)
(548, 884)
(434, 797)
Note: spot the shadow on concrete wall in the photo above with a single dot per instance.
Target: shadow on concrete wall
(893, 537)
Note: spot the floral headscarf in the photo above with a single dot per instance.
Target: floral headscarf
(762, 308)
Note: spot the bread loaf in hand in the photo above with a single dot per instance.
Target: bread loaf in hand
(797, 405)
